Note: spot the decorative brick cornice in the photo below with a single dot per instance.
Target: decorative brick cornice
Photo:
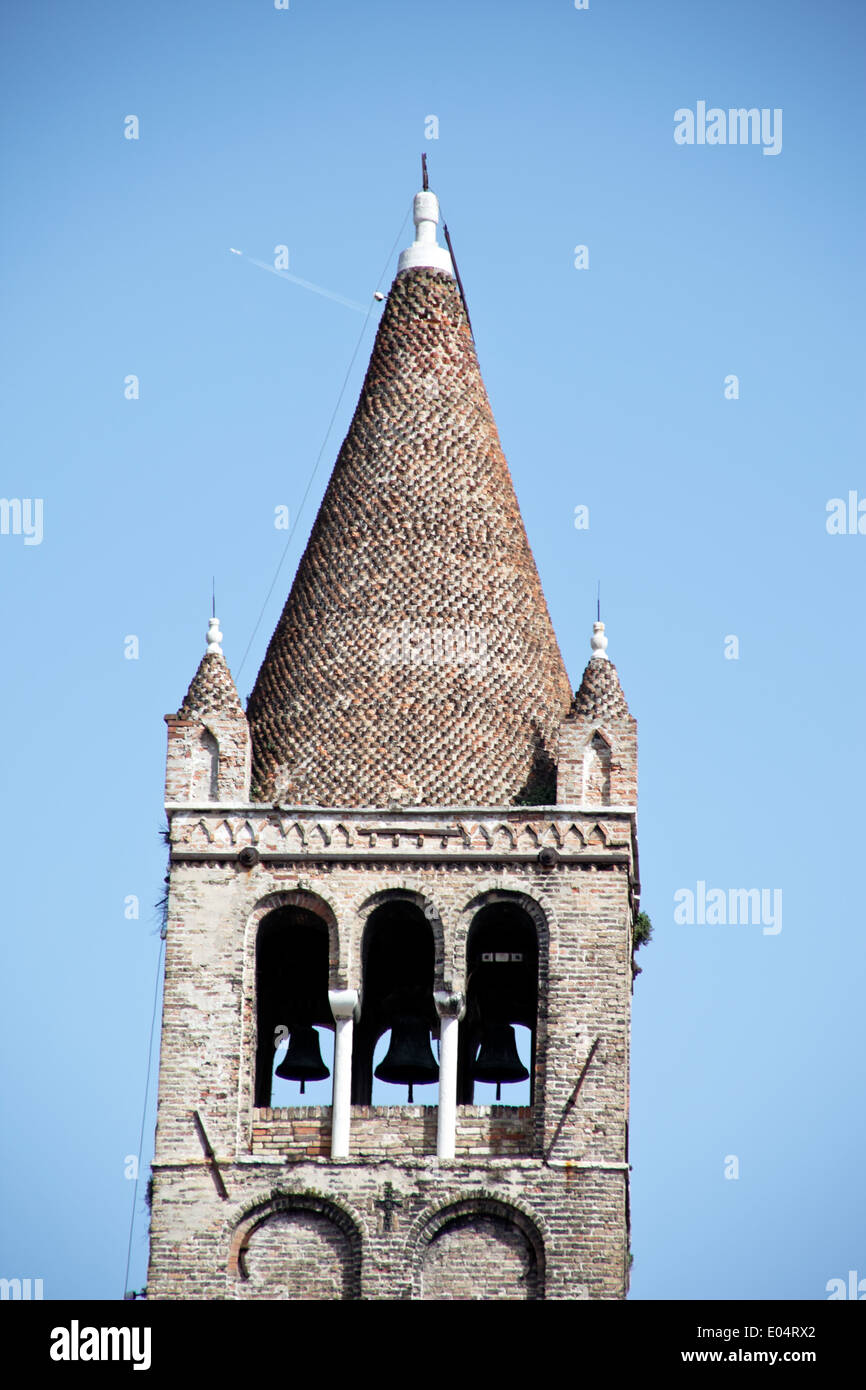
(518, 835)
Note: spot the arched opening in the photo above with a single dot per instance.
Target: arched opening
(496, 1061)
(292, 1010)
(392, 1053)
(288, 1090)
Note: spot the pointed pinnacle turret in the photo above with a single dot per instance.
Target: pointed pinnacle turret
(209, 751)
(598, 739)
(415, 660)
(212, 689)
(600, 695)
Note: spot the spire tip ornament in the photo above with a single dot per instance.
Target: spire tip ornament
(214, 637)
(425, 249)
(599, 643)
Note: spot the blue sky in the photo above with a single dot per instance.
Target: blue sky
(303, 128)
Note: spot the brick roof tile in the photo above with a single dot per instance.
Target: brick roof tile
(415, 658)
(600, 695)
(212, 690)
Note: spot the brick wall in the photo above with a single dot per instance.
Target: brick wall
(379, 1131)
(479, 1257)
(295, 1254)
(563, 1160)
(573, 1219)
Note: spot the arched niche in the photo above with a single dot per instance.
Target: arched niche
(596, 771)
(295, 1247)
(480, 1248)
(205, 768)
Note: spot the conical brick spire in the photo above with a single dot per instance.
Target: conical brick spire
(212, 689)
(600, 695)
(415, 660)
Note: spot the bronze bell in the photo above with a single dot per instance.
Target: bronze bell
(409, 1060)
(497, 1058)
(303, 1059)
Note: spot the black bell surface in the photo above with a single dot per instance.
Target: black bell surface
(497, 1061)
(409, 1060)
(303, 1059)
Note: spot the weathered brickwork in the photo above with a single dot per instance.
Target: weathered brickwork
(564, 1158)
(479, 1257)
(295, 1254)
(209, 747)
(598, 743)
(574, 1220)
(582, 910)
(305, 1131)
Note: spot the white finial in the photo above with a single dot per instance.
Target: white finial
(425, 250)
(214, 637)
(599, 643)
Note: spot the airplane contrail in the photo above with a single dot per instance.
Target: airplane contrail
(305, 284)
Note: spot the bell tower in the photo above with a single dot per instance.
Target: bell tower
(402, 892)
